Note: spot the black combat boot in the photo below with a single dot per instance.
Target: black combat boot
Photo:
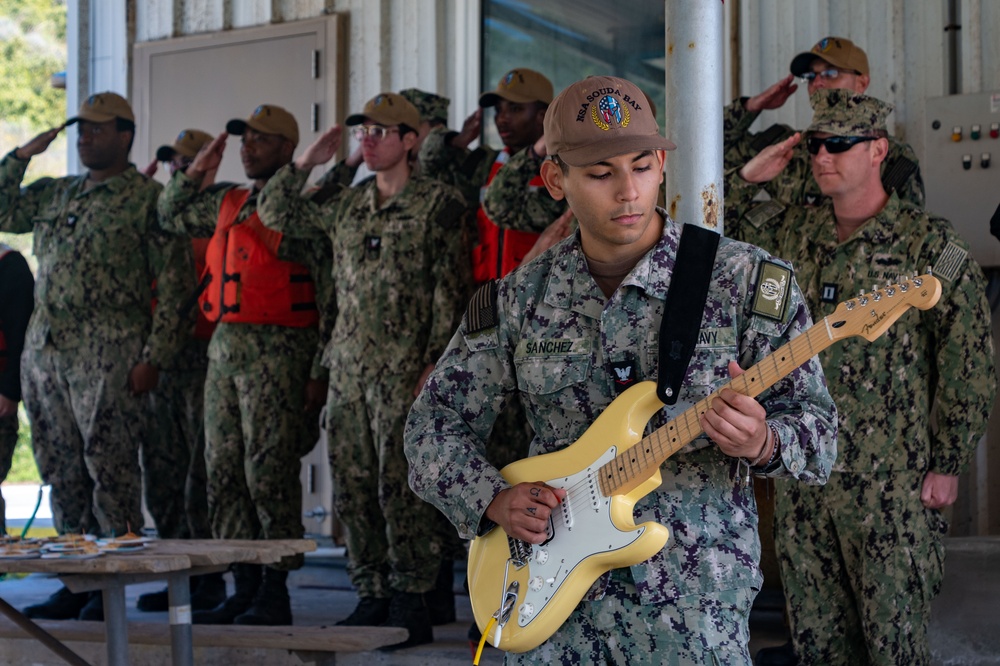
(370, 612)
(62, 605)
(409, 610)
(271, 605)
(781, 655)
(247, 578)
(441, 600)
(208, 591)
(93, 611)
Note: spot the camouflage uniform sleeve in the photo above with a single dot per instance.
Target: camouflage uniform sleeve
(172, 266)
(458, 167)
(333, 183)
(736, 137)
(450, 280)
(965, 371)
(447, 428)
(326, 301)
(754, 222)
(512, 202)
(185, 210)
(799, 406)
(283, 206)
(18, 206)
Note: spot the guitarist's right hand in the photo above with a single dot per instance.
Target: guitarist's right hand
(523, 511)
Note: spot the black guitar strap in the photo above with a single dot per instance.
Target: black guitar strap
(684, 308)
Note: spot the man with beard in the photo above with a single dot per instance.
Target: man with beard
(263, 390)
(94, 348)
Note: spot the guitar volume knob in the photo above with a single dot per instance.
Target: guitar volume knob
(535, 583)
(526, 610)
(541, 556)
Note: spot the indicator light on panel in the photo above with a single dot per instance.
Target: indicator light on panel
(966, 162)
(975, 132)
(984, 160)
(994, 130)
(956, 133)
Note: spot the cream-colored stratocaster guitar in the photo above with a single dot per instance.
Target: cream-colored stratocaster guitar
(532, 589)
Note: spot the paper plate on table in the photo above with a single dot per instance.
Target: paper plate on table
(121, 547)
(68, 555)
(20, 554)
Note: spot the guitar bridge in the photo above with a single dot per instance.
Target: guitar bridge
(520, 551)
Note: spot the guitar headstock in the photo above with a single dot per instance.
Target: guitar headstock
(871, 314)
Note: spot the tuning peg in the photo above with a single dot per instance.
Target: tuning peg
(890, 291)
(876, 294)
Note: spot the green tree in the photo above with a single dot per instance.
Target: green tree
(32, 49)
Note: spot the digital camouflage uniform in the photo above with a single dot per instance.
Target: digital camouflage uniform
(689, 603)
(16, 302)
(861, 558)
(400, 287)
(177, 499)
(99, 251)
(255, 428)
(796, 185)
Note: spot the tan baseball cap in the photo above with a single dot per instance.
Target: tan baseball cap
(838, 51)
(268, 119)
(521, 86)
(601, 117)
(847, 113)
(387, 109)
(188, 143)
(102, 107)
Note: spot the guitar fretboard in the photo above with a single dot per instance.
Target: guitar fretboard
(636, 464)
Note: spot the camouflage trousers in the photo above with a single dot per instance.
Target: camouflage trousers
(861, 559)
(395, 540)
(86, 427)
(694, 630)
(174, 481)
(255, 435)
(8, 440)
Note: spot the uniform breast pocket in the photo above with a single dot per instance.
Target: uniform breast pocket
(543, 375)
(707, 371)
(44, 234)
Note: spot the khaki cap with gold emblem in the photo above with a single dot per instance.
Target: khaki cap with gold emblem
(102, 107)
(520, 86)
(188, 143)
(387, 109)
(838, 51)
(601, 117)
(268, 119)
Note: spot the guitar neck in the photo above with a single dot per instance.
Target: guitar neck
(636, 464)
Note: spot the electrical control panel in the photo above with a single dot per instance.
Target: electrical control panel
(961, 167)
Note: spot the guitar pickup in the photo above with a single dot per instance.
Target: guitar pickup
(567, 512)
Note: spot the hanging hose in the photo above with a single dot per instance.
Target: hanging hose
(27, 525)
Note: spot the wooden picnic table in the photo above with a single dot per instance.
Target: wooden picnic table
(176, 560)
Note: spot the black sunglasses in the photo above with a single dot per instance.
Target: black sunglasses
(835, 144)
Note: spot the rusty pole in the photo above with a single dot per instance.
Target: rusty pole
(694, 88)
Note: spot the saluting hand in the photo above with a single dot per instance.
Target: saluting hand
(39, 144)
(771, 161)
(151, 168)
(470, 130)
(208, 158)
(524, 510)
(321, 150)
(774, 97)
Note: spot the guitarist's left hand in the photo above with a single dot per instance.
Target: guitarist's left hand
(736, 422)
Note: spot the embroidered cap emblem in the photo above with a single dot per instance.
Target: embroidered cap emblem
(609, 110)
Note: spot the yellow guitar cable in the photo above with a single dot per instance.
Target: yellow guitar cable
(482, 641)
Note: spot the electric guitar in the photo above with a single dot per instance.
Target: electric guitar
(521, 593)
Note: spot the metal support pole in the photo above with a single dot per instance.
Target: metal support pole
(179, 595)
(115, 623)
(694, 85)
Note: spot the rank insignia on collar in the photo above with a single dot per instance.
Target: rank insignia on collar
(373, 247)
(773, 290)
(71, 220)
(828, 293)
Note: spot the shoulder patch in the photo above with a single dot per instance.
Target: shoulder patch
(950, 262)
(764, 212)
(896, 175)
(770, 136)
(482, 311)
(774, 289)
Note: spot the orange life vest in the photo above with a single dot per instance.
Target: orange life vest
(500, 250)
(247, 283)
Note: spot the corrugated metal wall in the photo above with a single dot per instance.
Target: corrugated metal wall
(907, 46)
